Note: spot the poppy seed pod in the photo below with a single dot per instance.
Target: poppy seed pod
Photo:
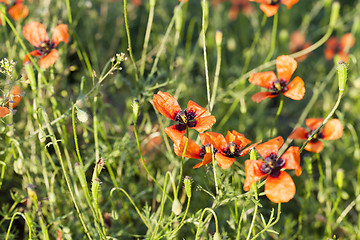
(187, 183)
(342, 75)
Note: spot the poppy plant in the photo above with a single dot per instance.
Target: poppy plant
(285, 66)
(334, 46)
(298, 43)
(332, 130)
(279, 186)
(17, 11)
(193, 116)
(36, 34)
(270, 7)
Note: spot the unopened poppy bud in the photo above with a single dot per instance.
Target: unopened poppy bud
(95, 188)
(176, 207)
(82, 116)
(178, 19)
(342, 75)
(42, 135)
(217, 236)
(136, 108)
(253, 154)
(80, 174)
(187, 183)
(335, 9)
(99, 165)
(340, 178)
(218, 37)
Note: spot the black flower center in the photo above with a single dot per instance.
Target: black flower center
(274, 2)
(272, 165)
(279, 86)
(232, 150)
(45, 48)
(185, 118)
(316, 137)
(206, 149)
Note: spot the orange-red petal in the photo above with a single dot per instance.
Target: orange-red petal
(195, 108)
(292, 160)
(253, 173)
(269, 10)
(33, 53)
(166, 104)
(223, 161)
(49, 60)
(271, 146)
(264, 79)
(296, 89)
(204, 123)
(285, 66)
(4, 111)
(174, 134)
(192, 150)
(315, 147)
(35, 33)
(237, 138)
(246, 150)
(207, 159)
(280, 189)
(15, 97)
(258, 97)
(18, 11)
(216, 139)
(297, 40)
(347, 41)
(313, 123)
(60, 34)
(299, 133)
(289, 3)
(332, 130)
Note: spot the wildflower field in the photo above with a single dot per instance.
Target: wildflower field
(167, 119)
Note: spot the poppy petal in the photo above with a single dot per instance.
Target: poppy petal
(246, 150)
(18, 11)
(285, 66)
(347, 41)
(166, 104)
(49, 59)
(280, 189)
(296, 89)
(223, 161)
(315, 147)
(289, 3)
(195, 108)
(215, 139)
(253, 173)
(204, 123)
(239, 139)
(174, 134)
(35, 33)
(192, 150)
(264, 79)
(233, 13)
(329, 54)
(269, 10)
(330, 48)
(333, 130)
(297, 40)
(258, 97)
(15, 97)
(292, 160)
(60, 34)
(299, 133)
(207, 159)
(313, 123)
(33, 53)
(4, 111)
(271, 146)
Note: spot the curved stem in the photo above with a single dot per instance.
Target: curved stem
(277, 114)
(203, 30)
(270, 224)
(11, 222)
(255, 211)
(200, 222)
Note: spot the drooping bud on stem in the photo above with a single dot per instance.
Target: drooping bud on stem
(176, 207)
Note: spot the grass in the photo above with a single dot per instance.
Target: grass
(84, 155)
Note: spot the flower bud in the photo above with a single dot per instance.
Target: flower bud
(42, 135)
(340, 178)
(136, 107)
(218, 37)
(187, 183)
(253, 154)
(82, 116)
(217, 236)
(342, 75)
(176, 207)
(95, 188)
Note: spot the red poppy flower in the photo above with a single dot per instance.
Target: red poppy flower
(17, 11)
(36, 34)
(331, 131)
(270, 7)
(279, 186)
(239, 5)
(285, 66)
(298, 43)
(4, 111)
(194, 116)
(334, 46)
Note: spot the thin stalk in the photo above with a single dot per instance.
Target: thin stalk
(200, 222)
(182, 160)
(240, 219)
(216, 78)
(273, 38)
(214, 170)
(324, 122)
(129, 41)
(271, 224)
(255, 211)
(68, 6)
(163, 200)
(277, 113)
(321, 173)
(11, 222)
(203, 30)
(147, 37)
